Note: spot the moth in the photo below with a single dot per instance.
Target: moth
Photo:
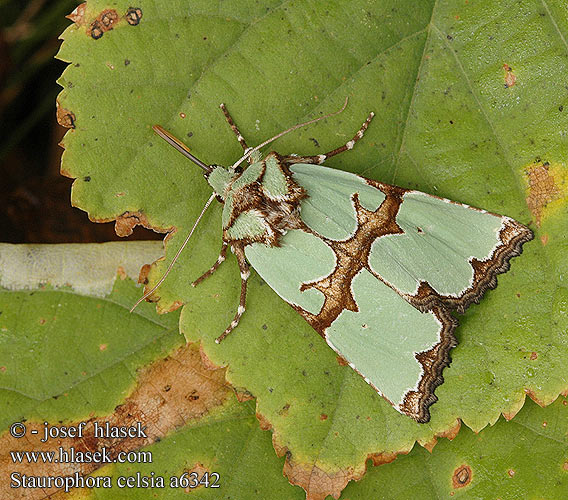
(382, 267)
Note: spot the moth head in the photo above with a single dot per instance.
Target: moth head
(255, 157)
(219, 178)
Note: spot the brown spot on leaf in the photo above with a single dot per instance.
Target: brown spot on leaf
(565, 466)
(545, 423)
(103, 23)
(544, 239)
(284, 410)
(511, 472)
(205, 361)
(42, 321)
(65, 118)
(143, 276)
(341, 361)
(323, 416)
(125, 223)
(316, 482)
(159, 412)
(243, 395)
(383, 458)
(199, 470)
(96, 30)
(103, 347)
(173, 307)
(450, 433)
(78, 15)
(534, 355)
(429, 445)
(515, 407)
(519, 404)
(108, 18)
(510, 77)
(2, 369)
(193, 395)
(462, 476)
(263, 422)
(547, 184)
(121, 273)
(133, 16)
(539, 401)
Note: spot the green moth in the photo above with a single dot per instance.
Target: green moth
(375, 269)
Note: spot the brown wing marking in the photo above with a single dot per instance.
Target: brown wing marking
(416, 404)
(351, 257)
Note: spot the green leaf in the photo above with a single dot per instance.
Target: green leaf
(71, 352)
(68, 346)
(524, 458)
(193, 421)
(229, 443)
(463, 112)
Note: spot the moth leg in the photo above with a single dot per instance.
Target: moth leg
(245, 273)
(319, 159)
(220, 260)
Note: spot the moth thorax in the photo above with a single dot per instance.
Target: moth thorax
(219, 179)
(255, 156)
(283, 216)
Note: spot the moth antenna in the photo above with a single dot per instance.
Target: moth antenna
(180, 146)
(161, 280)
(277, 136)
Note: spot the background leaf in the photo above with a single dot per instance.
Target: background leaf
(193, 421)
(67, 353)
(463, 111)
(524, 458)
(69, 357)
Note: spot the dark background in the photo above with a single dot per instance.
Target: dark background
(35, 204)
